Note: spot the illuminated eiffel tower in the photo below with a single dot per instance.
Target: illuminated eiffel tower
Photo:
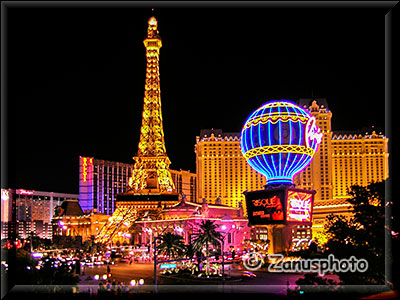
(151, 169)
(150, 186)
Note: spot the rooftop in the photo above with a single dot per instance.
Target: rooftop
(307, 102)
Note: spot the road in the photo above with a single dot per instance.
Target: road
(124, 272)
(275, 283)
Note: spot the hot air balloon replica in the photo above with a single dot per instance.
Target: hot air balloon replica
(279, 140)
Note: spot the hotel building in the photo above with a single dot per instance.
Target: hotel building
(358, 159)
(318, 175)
(222, 170)
(100, 181)
(34, 211)
(8, 212)
(342, 160)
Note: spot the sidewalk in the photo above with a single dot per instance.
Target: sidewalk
(90, 286)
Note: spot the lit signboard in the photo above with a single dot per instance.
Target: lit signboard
(5, 195)
(265, 207)
(24, 192)
(283, 205)
(299, 206)
(85, 171)
(86, 167)
(167, 266)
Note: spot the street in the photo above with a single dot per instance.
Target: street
(124, 272)
(275, 283)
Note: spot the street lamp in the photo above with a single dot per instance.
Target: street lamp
(155, 258)
(224, 227)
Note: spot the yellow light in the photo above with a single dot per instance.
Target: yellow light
(153, 21)
(279, 148)
(84, 169)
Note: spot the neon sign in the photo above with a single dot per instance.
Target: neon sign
(299, 206)
(265, 207)
(167, 266)
(312, 132)
(279, 139)
(5, 195)
(24, 192)
(85, 167)
(86, 189)
(272, 202)
(280, 205)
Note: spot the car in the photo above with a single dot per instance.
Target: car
(249, 274)
(125, 259)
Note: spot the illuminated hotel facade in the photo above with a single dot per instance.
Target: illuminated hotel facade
(100, 181)
(31, 212)
(318, 175)
(358, 159)
(222, 170)
(342, 160)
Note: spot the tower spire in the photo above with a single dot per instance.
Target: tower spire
(151, 169)
(151, 180)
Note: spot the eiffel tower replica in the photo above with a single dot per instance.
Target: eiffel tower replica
(150, 187)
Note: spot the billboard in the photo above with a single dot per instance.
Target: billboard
(283, 205)
(265, 207)
(86, 183)
(299, 206)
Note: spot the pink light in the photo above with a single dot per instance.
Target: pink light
(61, 223)
(299, 206)
(298, 217)
(5, 195)
(24, 192)
(37, 255)
(178, 229)
(223, 227)
(148, 230)
(313, 132)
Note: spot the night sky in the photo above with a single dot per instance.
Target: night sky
(75, 78)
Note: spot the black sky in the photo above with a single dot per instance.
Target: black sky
(76, 78)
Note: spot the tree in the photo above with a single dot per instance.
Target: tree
(52, 273)
(207, 236)
(171, 245)
(362, 235)
(312, 283)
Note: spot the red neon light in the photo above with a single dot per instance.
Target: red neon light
(273, 204)
(299, 207)
(24, 192)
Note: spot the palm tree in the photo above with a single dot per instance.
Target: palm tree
(171, 245)
(207, 235)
